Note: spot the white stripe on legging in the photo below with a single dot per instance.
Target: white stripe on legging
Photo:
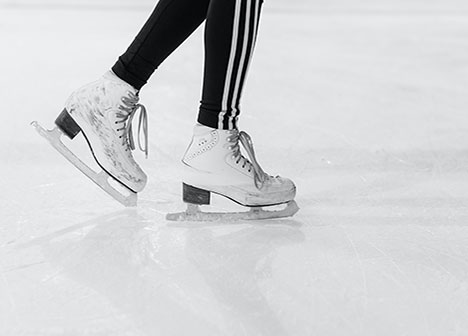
(241, 65)
(248, 31)
(232, 56)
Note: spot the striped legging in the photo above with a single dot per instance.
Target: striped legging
(230, 35)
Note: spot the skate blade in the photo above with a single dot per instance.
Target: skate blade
(193, 213)
(101, 179)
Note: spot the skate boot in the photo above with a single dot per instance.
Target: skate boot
(103, 112)
(214, 164)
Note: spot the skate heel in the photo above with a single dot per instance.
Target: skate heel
(67, 125)
(194, 195)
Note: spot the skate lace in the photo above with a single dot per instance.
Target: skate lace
(130, 107)
(260, 177)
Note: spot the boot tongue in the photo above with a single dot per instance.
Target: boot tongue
(142, 128)
(124, 121)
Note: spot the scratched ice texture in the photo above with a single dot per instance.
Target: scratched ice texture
(362, 103)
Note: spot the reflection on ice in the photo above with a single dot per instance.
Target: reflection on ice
(152, 275)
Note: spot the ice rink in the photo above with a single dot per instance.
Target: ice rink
(364, 104)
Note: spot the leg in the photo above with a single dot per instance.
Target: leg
(230, 34)
(213, 161)
(103, 110)
(171, 22)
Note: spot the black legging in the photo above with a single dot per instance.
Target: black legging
(230, 34)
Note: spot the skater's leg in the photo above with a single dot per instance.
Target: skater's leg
(230, 34)
(213, 161)
(171, 22)
(103, 110)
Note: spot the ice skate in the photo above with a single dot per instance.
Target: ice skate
(214, 164)
(103, 112)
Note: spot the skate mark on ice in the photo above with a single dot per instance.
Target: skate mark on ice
(363, 276)
(10, 299)
(92, 222)
(393, 262)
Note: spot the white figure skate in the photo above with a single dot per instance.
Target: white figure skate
(103, 112)
(214, 164)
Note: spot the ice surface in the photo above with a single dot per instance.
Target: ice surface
(362, 103)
